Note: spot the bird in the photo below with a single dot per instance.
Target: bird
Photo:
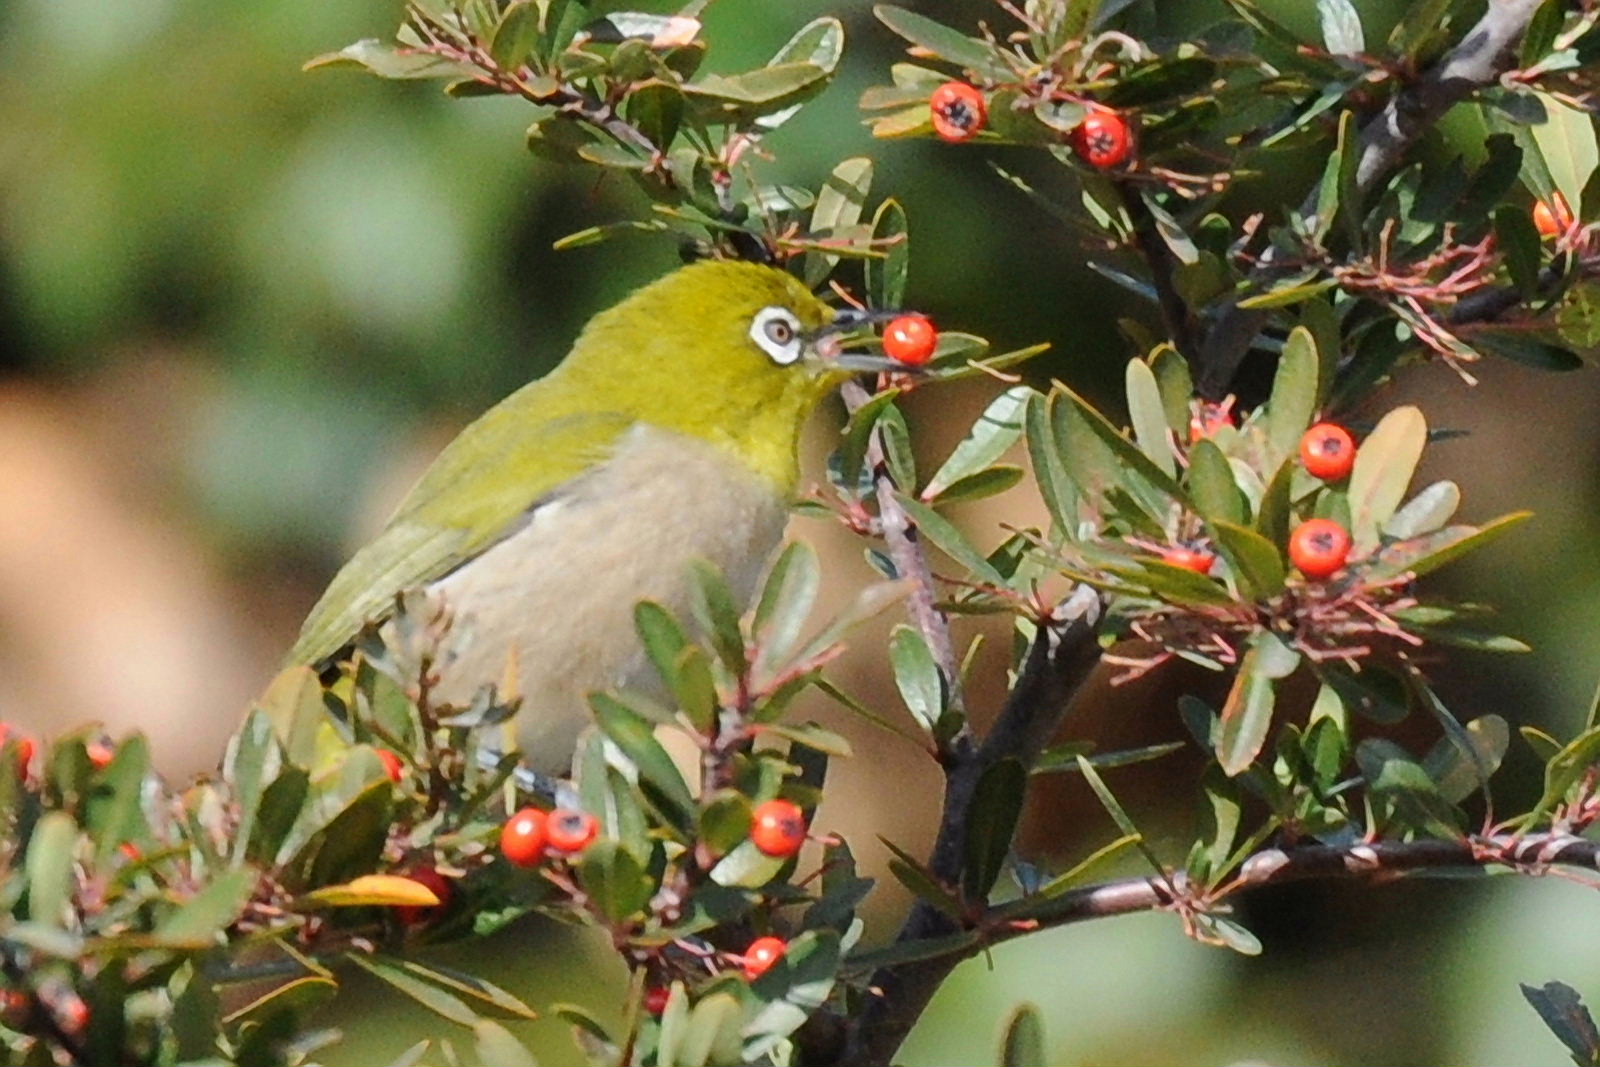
(668, 434)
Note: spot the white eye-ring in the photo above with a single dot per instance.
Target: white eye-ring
(777, 331)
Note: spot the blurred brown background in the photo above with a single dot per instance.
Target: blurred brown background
(241, 305)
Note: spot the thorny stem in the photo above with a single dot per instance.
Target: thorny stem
(1487, 51)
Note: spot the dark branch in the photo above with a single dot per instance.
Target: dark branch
(1487, 51)
(1061, 657)
(1163, 272)
(1378, 862)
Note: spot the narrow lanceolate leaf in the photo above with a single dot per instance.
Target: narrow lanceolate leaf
(941, 40)
(1295, 390)
(991, 821)
(840, 203)
(922, 685)
(1341, 27)
(1247, 713)
(387, 61)
(1146, 412)
(1425, 512)
(1567, 142)
(635, 736)
(49, 868)
(1255, 561)
(785, 603)
(429, 996)
(199, 921)
(1429, 552)
(1517, 239)
(1383, 470)
(997, 429)
(886, 277)
(373, 890)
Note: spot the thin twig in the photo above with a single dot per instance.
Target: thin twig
(1487, 51)
(911, 563)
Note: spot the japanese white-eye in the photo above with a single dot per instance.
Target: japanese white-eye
(669, 433)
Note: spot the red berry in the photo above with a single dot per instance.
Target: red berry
(132, 851)
(959, 111)
(655, 999)
(441, 887)
(910, 339)
(1190, 559)
(1319, 547)
(762, 954)
(1210, 418)
(73, 1014)
(392, 763)
(1328, 451)
(15, 1008)
(1553, 217)
(523, 839)
(778, 828)
(572, 831)
(1103, 139)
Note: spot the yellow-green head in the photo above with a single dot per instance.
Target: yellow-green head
(734, 353)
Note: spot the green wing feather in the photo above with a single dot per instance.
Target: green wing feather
(518, 453)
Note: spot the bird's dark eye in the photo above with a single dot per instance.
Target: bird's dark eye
(779, 332)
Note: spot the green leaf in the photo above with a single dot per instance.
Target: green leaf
(1078, 19)
(634, 735)
(786, 602)
(1518, 240)
(886, 277)
(387, 61)
(1149, 417)
(1462, 762)
(793, 990)
(1564, 771)
(1288, 293)
(49, 868)
(516, 36)
(911, 873)
(991, 822)
(1255, 561)
(1402, 792)
(614, 880)
(1114, 808)
(1383, 469)
(840, 203)
(717, 613)
(1023, 1042)
(293, 701)
(922, 684)
(819, 43)
(1295, 390)
(1211, 484)
(1567, 142)
(1056, 488)
(1425, 512)
(1341, 27)
(763, 90)
(952, 542)
(942, 41)
(979, 485)
(494, 1044)
(429, 996)
(1161, 82)
(747, 867)
(200, 921)
(996, 430)
(1520, 347)
(1247, 712)
(1429, 552)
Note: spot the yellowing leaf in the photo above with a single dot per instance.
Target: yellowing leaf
(373, 890)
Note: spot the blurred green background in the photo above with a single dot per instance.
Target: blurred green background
(241, 305)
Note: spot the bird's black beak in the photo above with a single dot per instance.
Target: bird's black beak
(827, 341)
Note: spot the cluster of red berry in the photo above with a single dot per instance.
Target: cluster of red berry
(1318, 547)
(1104, 139)
(532, 834)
